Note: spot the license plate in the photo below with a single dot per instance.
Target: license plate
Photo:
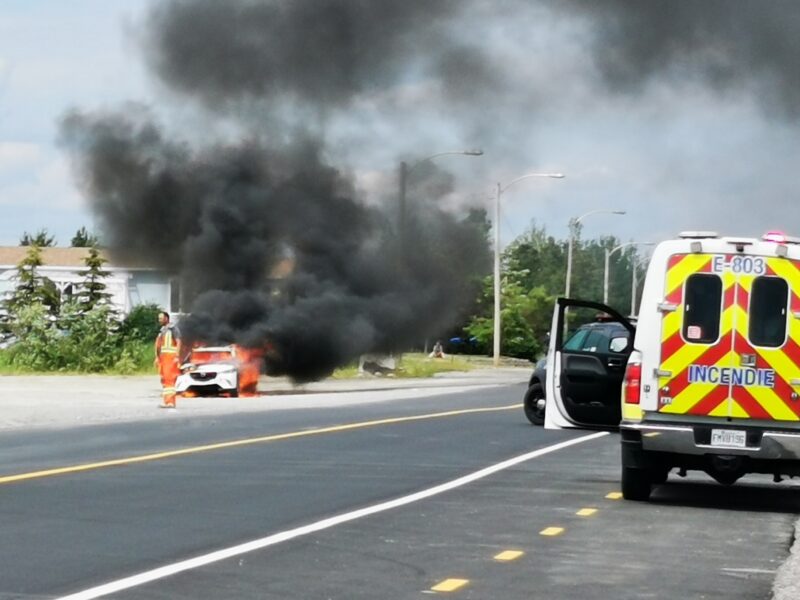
(729, 438)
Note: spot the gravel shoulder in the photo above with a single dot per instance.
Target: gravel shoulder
(51, 401)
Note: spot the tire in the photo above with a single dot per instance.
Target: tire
(659, 476)
(235, 390)
(534, 409)
(635, 484)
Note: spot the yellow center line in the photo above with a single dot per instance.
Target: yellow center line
(552, 531)
(244, 442)
(614, 495)
(586, 512)
(508, 555)
(450, 585)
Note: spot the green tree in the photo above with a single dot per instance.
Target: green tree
(31, 287)
(89, 341)
(543, 261)
(524, 317)
(538, 260)
(534, 267)
(37, 346)
(141, 324)
(92, 289)
(84, 239)
(41, 238)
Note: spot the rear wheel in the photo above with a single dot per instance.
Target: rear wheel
(535, 404)
(635, 484)
(659, 475)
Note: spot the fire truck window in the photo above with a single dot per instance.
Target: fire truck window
(768, 307)
(702, 308)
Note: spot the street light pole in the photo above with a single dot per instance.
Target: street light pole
(496, 336)
(573, 225)
(497, 290)
(608, 257)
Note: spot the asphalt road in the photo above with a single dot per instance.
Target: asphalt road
(67, 532)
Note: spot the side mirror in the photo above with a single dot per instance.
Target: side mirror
(618, 344)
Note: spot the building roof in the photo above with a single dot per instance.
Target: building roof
(11, 256)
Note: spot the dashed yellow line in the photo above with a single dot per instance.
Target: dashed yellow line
(509, 555)
(243, 442)
(586, 512)
(450, 585)
(614, 496)
(552, 531)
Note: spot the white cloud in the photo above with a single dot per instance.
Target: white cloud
(43, 183)
(15, 155)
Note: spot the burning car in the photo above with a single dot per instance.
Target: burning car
(220, 371)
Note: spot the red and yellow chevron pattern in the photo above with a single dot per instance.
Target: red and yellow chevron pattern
(679, 395)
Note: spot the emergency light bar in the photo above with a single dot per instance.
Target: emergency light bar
(779, 238)
(697, 235)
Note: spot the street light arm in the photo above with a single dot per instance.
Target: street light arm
(502, 189)
(476, 152)
(598, 211)
(626, 244)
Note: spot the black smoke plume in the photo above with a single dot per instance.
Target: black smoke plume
(730, 46)
(272, 244)
(224, 218)
(317, 52)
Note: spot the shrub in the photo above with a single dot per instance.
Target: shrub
(141, 324)
(37, 348)
(136, 357)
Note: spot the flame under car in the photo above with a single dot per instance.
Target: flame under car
(220, 371)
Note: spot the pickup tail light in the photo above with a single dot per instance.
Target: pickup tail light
(632, 386)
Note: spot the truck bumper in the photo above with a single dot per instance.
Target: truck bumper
(695, 440)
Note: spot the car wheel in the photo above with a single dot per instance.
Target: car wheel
(635, 484)
(659, 475)
(534, 403)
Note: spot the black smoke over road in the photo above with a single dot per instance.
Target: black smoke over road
(223, 218)
(730, 46)
(223, 215)
(315, 52)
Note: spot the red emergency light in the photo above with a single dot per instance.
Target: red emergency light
(775, 236)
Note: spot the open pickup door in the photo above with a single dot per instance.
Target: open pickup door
(585, 370)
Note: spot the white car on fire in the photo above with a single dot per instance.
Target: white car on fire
(210, 370)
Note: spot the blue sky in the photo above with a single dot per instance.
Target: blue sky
(55, 55)
(675, 156)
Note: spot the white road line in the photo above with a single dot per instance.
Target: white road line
(283, 536)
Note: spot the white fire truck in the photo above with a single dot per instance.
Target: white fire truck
(712, 380)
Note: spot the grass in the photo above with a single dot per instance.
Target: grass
(414, 364)
(136, 360)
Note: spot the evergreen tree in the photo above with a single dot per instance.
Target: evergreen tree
(41, 238)
(32, 288)
(83, 239)
(93, 288)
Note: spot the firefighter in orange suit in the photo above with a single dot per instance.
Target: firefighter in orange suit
(168, 352)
